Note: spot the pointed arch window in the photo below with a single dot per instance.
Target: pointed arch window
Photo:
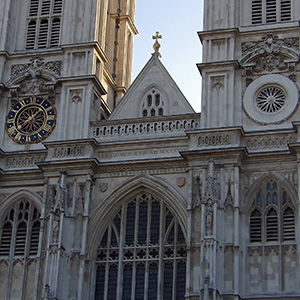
(153, 104)
(271, 11)
(19, 241)
(44, 24)
(143, 245)
(272, 216)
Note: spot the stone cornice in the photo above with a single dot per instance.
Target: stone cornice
(100, 89)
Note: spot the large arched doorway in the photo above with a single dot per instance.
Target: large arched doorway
(142, 253)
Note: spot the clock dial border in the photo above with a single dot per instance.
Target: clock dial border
(19, 134)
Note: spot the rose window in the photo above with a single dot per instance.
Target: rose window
(270, 99)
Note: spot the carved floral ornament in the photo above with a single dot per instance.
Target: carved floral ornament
(34, 78)
(269, 54)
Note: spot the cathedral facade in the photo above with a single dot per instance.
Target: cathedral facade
(111, 190)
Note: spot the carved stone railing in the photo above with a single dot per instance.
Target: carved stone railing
(146, 128)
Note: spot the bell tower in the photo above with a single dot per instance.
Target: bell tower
(75, 55)
(250, 59)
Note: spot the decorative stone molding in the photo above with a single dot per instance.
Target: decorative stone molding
(37, 63)
(76, 95)
(269, 54)
(138, 154)
(72, 151)
(149, 169)
(23, 162)
(267, 143)
(103, 132)
(255, 251)
(229, 203)
(215, 140)
(34, 78)
(217, 82)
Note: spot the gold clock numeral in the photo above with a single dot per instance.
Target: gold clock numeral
(50, 117)
(49, 108)
(18, 136)
(22, 102)
(47, 127)
(10, 121)
(11, 129)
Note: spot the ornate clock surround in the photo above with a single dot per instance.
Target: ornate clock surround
(32, 115)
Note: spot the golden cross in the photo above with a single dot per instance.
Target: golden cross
(156, 45)
(157, 36)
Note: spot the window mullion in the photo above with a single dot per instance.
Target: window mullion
(121, 250)
(161, 246)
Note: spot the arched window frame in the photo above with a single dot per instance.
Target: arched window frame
(279, 201)
(19, 248)
(148, 253)
(153, 103)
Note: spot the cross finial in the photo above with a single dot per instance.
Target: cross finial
(156, 45)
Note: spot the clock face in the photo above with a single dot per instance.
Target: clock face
(31, 120)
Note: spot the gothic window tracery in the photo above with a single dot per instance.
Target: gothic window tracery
(142, 241)
(270, 11)
(272, 213)
(272, 248)
(153, 104)
(44, 22)
(19, 241)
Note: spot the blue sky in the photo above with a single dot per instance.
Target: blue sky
(178, 21)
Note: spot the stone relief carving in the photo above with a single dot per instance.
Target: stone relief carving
(76, 95)
(72, 151)
(220, 139)
(211, 196)
(80, 199)
(229, 203)
(36, 77)
(269, 54)
(55, 227)
(269, 143)
(217, 82)
(23, 162)
(37, 63)
(197, 191)
(47, 293)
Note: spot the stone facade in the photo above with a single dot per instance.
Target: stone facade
(148, 199)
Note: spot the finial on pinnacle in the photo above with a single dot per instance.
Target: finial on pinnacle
(156, 45)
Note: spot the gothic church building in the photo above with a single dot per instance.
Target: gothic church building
(111, 190)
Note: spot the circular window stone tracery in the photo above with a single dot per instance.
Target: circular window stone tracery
(271, 99)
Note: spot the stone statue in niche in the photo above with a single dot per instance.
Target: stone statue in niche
(209, 216)
(55, 228)
(197, 191)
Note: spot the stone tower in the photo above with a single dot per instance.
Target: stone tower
(249, 48)
(63, 65)
(77, 54)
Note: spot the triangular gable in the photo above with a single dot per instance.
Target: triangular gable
(153, 93)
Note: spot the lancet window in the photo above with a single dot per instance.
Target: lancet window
(270, 11)
(272, 217)
(272, 250)
(19, 242)
(44, 22)
(153, 104)
(142, 254)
